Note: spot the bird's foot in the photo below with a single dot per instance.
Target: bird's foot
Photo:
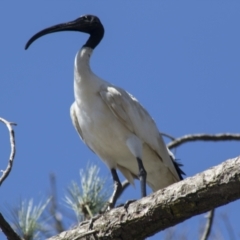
(92, 220)
(127, 203)
(107, 207)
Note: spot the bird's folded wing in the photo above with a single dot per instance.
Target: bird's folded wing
(118, 104)
(133, 116)
(76, 125)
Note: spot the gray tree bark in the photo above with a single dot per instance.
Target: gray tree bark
(212, 188)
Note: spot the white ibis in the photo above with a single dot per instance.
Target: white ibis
(112, 123)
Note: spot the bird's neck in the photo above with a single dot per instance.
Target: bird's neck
(83, 75)
(82, 65)
(95, 38)
(86, 82)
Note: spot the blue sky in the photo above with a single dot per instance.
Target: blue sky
(180, 59)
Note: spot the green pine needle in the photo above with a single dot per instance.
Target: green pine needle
(89, 198)
(28, 221)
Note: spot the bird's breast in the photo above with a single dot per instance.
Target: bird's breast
(102, 132)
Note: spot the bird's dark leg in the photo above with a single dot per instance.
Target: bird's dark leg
(116, 193)
(117, 189)
(142, 176)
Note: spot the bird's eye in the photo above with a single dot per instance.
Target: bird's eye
(87, 18)
(90, 18)
(84, 18)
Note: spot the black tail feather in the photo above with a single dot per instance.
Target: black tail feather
(178, 166)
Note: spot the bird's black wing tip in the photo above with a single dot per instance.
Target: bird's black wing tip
(178, 166)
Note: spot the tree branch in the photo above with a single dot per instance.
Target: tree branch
(7, 230)
(57, 217)
(203, 137)
(167, 135)
(6, 172)
(208, 226)
(228, 226)
(167, 207)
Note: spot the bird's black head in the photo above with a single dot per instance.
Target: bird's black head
(88, 24)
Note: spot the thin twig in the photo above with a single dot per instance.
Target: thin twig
(54, 208)
(168, 136)
(7, 229)
(6, 172)
(89, 212)
(228, 226)
(84, 234)
(203, 137)
(208, 226)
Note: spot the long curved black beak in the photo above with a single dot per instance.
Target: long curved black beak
(70, 26)
(88, 24)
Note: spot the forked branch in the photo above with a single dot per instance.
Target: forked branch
(203, 137)
(7, 230)
(208, 227)
(167, 207)
(6, 172)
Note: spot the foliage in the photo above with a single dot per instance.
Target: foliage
(28, 220)
(90, 197)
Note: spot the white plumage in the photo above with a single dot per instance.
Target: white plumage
(117, 128)
(112, 123)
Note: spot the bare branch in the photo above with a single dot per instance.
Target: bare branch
(7, 230)
(208, 226)
(54, 207)
(228, 225)
(203, 137)
(167, 207)
(6, 172)
(167, 135)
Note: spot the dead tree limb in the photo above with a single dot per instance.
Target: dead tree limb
(212, 188)
(6, 172)
(57, 217)
(7, 230)
(208, 227)
(203, 137)
(168, 136)
(176, 142)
